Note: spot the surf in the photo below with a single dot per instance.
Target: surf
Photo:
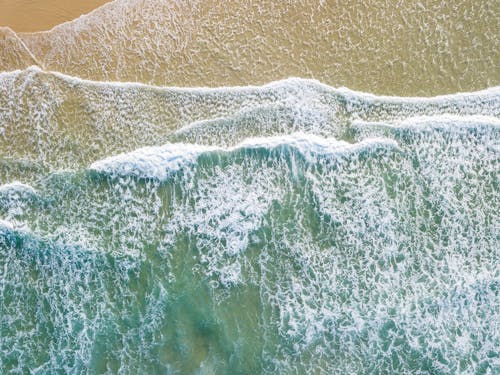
(193, 228)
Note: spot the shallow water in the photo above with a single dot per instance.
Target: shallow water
(396, 47)
(287, 228)
(291, 227)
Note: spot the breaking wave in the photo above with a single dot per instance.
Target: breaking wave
(288, 228)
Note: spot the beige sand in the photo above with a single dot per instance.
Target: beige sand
(13, 51)
(39, 15)
(398, 47)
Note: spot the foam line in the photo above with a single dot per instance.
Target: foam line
(160, 162)
(292, 82)
(437, 121)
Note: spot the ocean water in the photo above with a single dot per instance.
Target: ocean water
(290, 228)
(219, 217)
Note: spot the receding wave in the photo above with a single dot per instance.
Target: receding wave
(397, 47)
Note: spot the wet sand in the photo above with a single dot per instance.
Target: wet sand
(394, 47)
(40, 15)
(13, 52)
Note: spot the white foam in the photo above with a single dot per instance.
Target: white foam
(288, 83)
(160, 162)
(459, 96)
(120, 117)
(152, 162)
(17, 187)
(6, 225)
(447, 121)
(311, 145)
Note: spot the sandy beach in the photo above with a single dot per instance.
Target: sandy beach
(42, 15)
(389, 48)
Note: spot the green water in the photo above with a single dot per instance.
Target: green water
(292, 253)
(291, 228)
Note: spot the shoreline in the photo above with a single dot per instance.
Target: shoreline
(34, 16)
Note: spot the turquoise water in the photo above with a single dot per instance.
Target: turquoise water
(292, 228)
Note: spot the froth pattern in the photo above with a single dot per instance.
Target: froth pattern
(260, 229)
(374, 255)
(289, 228)
(50, 121)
